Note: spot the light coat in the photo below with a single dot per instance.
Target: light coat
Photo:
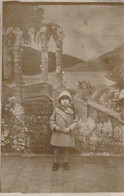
(64, 120)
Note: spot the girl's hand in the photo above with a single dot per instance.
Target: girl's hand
(57, 128)
(67, 130)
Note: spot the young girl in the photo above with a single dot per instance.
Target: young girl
(63, 122)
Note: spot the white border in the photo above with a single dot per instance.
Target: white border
(50, 1)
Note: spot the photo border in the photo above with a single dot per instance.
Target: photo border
(61, 2)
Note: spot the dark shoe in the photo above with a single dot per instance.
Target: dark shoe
(55, 166)
(66, 166)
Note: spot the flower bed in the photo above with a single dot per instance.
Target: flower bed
(100, 138)
(18, 133)
(13, 129)
(92, 137)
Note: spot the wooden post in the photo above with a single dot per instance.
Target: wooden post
(17, 65)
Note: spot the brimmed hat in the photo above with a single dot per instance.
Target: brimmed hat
(64, 93)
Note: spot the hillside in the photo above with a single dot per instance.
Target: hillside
(31, 61)
(105, 62)
(117, 75)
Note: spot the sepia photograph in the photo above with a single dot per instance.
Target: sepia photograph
(62, 97)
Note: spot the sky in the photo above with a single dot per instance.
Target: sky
(90, 30)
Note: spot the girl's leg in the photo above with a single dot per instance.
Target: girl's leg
(56, 155)
(56, 159)
(66, 155)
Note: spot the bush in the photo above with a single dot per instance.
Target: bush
(101, 137)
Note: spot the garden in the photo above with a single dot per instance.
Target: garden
(100, 138)
(91, 137)
(28, 132)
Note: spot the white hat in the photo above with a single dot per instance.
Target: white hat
(64, 93)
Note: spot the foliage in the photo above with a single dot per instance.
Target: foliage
(25, 132)
(85, 89)
(30, 132)
(101, 137)
(108, 97)
(24, 16)
(13, 128)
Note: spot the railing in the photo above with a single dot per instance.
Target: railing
(106, 141)
(97, 111)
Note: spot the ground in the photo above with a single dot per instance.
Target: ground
(86, 174)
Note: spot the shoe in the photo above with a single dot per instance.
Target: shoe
(66, 166)
(55, 166)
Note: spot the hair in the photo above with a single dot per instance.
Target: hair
(71, 105)
(63, 97)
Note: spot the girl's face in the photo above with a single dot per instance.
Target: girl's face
(65, 101)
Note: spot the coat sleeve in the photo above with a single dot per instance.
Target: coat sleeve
(52, 121)
(73, 125)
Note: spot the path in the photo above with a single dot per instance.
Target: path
(87, 174)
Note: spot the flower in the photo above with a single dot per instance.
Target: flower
(18, 109)
(15, 141)
(5, 134)
(41, 66)
(2, 144)
(23, 144)
(58, 69)
(121, 96)
(3, 121)
(12, 99)
(25, 129)
(2, 139)
(43, 29)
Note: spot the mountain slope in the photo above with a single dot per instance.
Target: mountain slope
(31, 61)
(105, 62)
(117, 75)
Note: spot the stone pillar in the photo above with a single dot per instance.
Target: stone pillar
(17, 65)
(41, 38)
(6, 58)
(31, 32)
(59, 59)
(44, 57)
(59, 68)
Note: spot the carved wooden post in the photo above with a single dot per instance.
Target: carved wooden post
(59, 59)
(17, 64)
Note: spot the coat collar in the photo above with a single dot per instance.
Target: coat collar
(62, 113)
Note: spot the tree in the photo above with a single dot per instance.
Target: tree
(23, 16)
